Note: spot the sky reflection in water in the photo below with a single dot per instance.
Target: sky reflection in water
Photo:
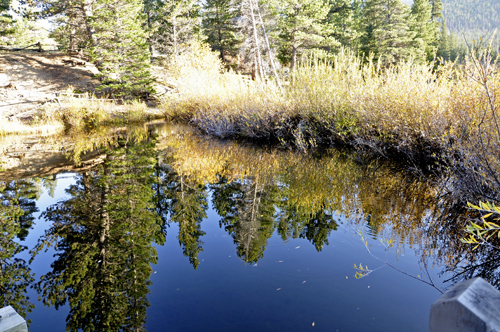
(173, 232)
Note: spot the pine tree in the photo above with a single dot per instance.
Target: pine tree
(120, 48)
(71, 16)
(220, 27)
(103, 237)
(444, 44)
(6, 27)
(437, 10)
(247, 209)
(15, 274)
(302, 25)
(344, 16)
(114, 36)
(386, 32)
(173, 24)
(425, 29)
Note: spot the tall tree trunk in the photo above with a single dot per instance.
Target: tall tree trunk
(294, 57)
(271, 58)
(256, 41)
(86, 9)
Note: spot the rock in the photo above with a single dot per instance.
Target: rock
(9, 86)
(469, 306)
(10, 321)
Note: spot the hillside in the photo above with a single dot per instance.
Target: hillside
(471, 18)
(472, 15)
(28, 79)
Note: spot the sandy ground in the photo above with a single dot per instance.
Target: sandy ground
(28, 79)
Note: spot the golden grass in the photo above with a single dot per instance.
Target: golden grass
(88, 111)
(412, 110)
(17, 127)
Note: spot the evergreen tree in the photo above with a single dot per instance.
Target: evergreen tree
(345, 16)
(247, 211)
(71, 16)
(120, 49)
(444, 43)
(188, 205)
(181, 200)
(298, 222)
(449, 49)
(6, 27)
(114, 36)
(15, 275)
(437, 10)
(425, 29)
(220, 27)
(302, 25)
(172, 24)
(386, 32)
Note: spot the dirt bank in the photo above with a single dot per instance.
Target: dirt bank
(28, 79)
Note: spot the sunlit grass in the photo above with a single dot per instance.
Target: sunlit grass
(415, 111)
(17, 127)
(88, 111)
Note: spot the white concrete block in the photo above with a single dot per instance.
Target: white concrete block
(469, 306)
(10, 321)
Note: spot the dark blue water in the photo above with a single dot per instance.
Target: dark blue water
(264, 251)
(290, 288)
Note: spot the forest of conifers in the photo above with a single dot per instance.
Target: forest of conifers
(473, 18)
(120, 36)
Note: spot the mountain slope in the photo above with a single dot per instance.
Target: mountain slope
(472, 18)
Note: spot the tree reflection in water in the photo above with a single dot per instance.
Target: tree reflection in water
(104, 233)
(103, 237)
(181, 200)
(247, 209)
(17, 206)
(257, 191)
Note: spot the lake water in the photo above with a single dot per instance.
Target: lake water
(162, 230)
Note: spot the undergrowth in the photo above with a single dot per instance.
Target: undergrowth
(429, 116)
(87, 112)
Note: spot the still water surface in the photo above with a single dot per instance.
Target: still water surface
(167, 231)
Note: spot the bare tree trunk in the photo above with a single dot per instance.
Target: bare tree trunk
(256, 40)
(271, 58)
(86, 9)
(174, 24)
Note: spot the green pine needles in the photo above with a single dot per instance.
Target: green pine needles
(120, 48)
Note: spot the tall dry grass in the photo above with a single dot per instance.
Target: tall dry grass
(411, 110)
(79, 111)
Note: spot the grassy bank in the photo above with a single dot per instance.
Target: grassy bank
(414, 111)
(79, 112)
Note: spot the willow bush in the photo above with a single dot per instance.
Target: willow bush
(444, 115)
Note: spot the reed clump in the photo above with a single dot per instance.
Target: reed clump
(36, 127)
(426, 115)
(87, 111)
